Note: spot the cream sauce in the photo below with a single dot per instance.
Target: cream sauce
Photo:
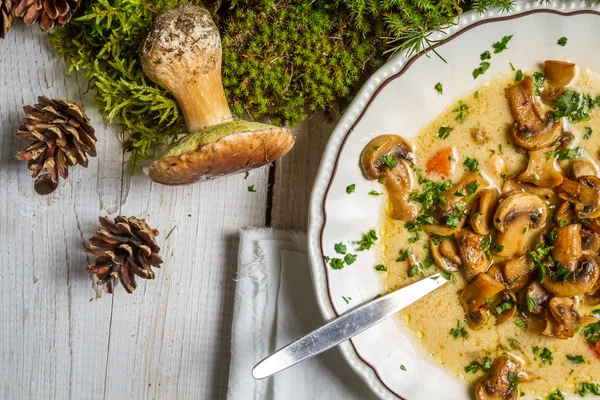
(431, 318)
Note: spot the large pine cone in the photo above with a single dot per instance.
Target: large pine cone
(49, 13)
(61, 136)
(124, 248)
(6, 16)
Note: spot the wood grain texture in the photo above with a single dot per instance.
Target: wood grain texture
(295, 174)
(63, 338)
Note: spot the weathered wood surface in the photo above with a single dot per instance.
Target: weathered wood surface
(63, 338)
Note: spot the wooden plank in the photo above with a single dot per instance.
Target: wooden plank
(53, 340)
(171, 339)
(295, 174)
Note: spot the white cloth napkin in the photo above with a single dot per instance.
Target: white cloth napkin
(275, 304)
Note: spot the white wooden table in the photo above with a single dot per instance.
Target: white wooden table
(62, 338)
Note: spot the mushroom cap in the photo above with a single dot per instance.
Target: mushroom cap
(560, 321)
(384, 145)
(475, 297)
(182, 39)
(483, 215)
(580, 281)
(559, 73)
(497, 386)
(542, 171)
(517, 205)
(221, 150)
(584, 193)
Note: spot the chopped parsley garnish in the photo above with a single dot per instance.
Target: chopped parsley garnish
(350, 258)
(513, 379)
(246, 174)
(530, 303)
(544, 355)
(388, 160)
(430, 196)
(448, 276)
(557, 395)
(587, 133)
(578, 359)
(367, 240)
(505, 306)
(420, 267)
(473, 186)
(563, 222)
(552, 235)
(592, 333)
(513, 342)
(539, 80)
(475, 366)
(542, 259)
(350, 188)
(337, 263)
(564, 154)
(402, 367)
(453, 220)
(496, 248)
(519, 76)
(444, 132)
(347, 299)
(586, 388)
(403, 255)
(380, 267)
(251, 188)
(501, 45)
(512, 67)
(485, 56)
(562, 41)
(472, 164)
(476, 95)
(461, 111)
(340, 248)
(521, 323)
(440, 89)
(459, 331)
(561, 274)
(483, 66)
(575, 106)
(375, 193)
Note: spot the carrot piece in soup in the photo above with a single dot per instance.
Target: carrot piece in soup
(442, 163)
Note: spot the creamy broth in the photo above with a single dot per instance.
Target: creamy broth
(431, 319)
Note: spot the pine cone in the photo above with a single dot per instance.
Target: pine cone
(49, 13)
(124, 248)
(61, 135)
(6, 16)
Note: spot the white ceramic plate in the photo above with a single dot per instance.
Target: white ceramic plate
(400, 98)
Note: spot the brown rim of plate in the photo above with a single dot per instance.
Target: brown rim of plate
(372, 97)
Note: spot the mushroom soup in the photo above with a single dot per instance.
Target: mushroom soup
(500, 193)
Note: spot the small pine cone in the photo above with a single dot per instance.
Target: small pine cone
(6, 16)
(124, 248)
(49, 13)
(61, 136)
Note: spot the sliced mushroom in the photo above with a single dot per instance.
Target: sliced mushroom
(514, 216)
(458, 197)
(445, 263)
(567, 246)
(495, 271)
(512, 186)
(590, 241)
(542, 170)
(584, 193)
(559, 73)
(397, 180)
(478, 135)
(534, 298)
(476, 296)
(449, 249)
(565, 214)
(592, 298)
(504, 307)
(482, 219)
(499, 384)
(518, 272)
(577, 282)
(581, 167)
(561, 318)
(473, 256)
(532, 130)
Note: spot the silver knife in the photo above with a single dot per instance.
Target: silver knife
(346, 326)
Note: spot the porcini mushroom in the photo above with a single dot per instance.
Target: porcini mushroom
(577, 281)
(182, 53)
(501, 382)
(561, 318)
(532, 130)
(476, 296)
(389, 157)
(514, 216)
(584, 193)
(482, 219)
(471, 250)
(559, 73)
(542, 170)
